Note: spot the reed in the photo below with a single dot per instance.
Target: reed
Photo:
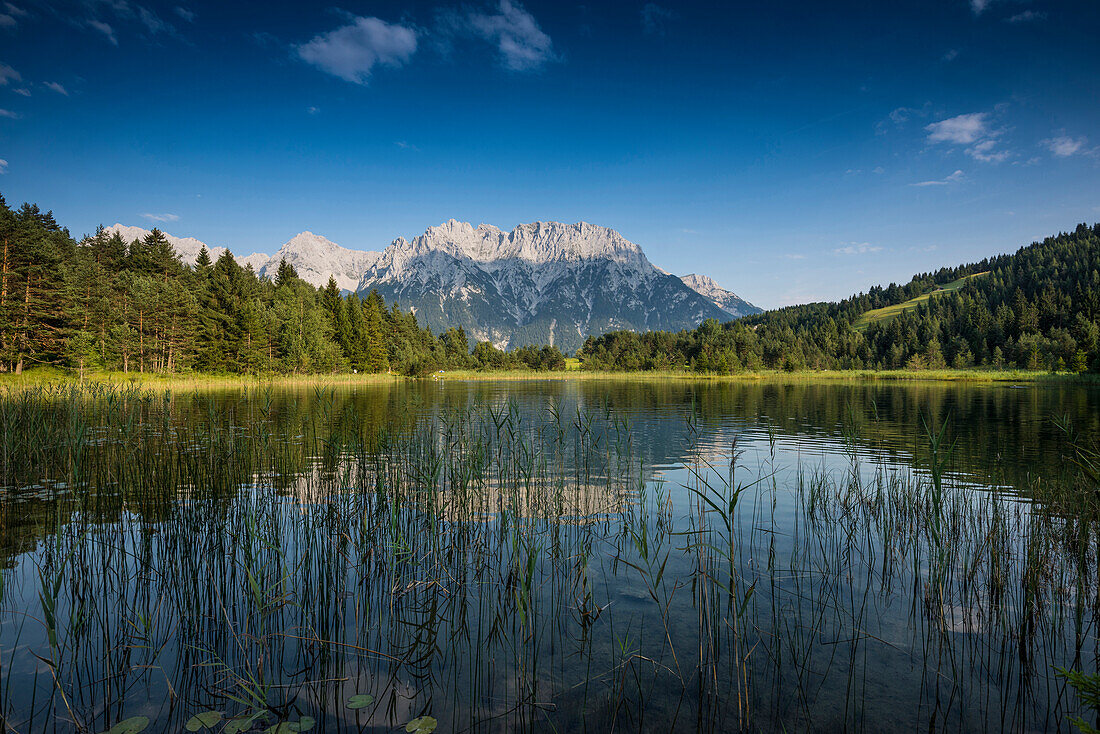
(172, 561)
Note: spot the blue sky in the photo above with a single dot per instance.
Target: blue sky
(794, 151)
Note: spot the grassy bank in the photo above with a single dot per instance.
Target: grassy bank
(178, 381)
(975, 376)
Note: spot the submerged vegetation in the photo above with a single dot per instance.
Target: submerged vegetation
(171, 561)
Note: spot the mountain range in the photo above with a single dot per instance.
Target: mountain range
(540, 283)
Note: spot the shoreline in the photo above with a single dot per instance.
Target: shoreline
(195, 380)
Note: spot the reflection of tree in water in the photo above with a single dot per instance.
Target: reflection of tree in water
(477, 551)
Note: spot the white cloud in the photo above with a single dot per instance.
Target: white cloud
(951, 55)
(105, 29)
(15, 10)
(22, 90)
(9, 114)
(312, 110)
(188, 15)
(972, 130)
(6, 21)
(161, 217)
(857, 248)
(57, 88)
(654, 18)
(955, 177)
(8, 74)
(961, 129)
(351, 51)
(1064, 146)
(3, 166)
(984, 151)
(522, 44)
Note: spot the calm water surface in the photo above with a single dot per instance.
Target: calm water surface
(571, 556)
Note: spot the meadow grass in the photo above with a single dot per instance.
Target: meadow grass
(886, 313)
(199, 381)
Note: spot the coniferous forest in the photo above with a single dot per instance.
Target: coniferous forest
(104, 304)
(1037, 309)
(101, 303)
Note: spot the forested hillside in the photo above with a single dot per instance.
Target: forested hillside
(1036, 309)
(107, 304)
(103, 303)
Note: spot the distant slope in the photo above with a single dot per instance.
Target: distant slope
(728, 301)
(315, 258)
(884, 314)
(1037, 308)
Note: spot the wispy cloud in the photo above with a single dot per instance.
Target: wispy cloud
(950, 55)
(655, 18)
(351, 51)
(188, 15)
(105, 29)
(9, 114)
(312, 110)
(973, 130)
(955, 177)
(899, 116)
(11, 15)
(3, 166)
(152, 21)
(1064, 146)
(1028, 16)
(8, 75)
(857, 248)
(794, 256)
(161, 217)
(23, 91)
(406, 145)
(522, 44)
(113, 18)
(57, 88)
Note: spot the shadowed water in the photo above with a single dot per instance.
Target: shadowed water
(572, 556)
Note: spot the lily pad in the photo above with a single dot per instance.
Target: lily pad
(421, 725)
(132, 725)
(360, 701)
(241, 723)
(292, 727)
(203, 720)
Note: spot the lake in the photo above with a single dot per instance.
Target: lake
(591, 555)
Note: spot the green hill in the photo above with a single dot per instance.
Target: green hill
(1037, 308)
(884, 314)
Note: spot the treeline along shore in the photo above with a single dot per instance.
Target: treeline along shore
(103, 304)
